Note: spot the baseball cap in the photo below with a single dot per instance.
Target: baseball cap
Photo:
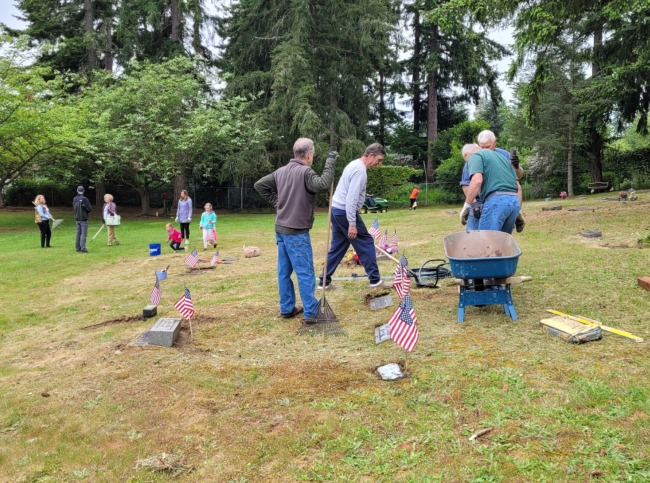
(80, 189)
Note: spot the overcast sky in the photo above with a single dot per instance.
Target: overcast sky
(8, 11)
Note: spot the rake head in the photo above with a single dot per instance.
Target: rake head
(326, 322)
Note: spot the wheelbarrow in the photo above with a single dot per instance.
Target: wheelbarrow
(484, 261)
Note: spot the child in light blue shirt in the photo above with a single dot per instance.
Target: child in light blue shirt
(208, 225)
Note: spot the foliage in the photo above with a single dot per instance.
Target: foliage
(382, 179)
(448, 177)
(149, 126)
(308, 64)
(37, 123)
(453, 139)
(82, 35)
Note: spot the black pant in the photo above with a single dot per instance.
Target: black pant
(185, 230)
(46, 233)
(175, 245)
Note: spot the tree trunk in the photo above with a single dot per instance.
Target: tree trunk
(144, 200)
(176, 20)
(179, 185)
(100, 191)
(382, 108)
(432, 102)
(569, 163)
(596, 140)
(332, 133)
(91, 52)
(415, 82)
(108, 50)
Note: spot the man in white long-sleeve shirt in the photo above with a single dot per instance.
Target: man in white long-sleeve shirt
(347, 226)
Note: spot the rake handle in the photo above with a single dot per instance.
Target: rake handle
(327, 246)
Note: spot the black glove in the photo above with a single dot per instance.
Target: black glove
(477, 208)
(333, 154)
(520, 223)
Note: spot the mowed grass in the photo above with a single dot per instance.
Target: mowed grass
(249, 400)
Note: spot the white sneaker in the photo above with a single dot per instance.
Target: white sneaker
(187, 242)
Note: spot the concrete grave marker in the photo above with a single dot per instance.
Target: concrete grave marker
(381, 302)
(382, 333)
(164, 332)
(149, 311)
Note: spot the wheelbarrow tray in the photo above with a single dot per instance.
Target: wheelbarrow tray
(481, 254)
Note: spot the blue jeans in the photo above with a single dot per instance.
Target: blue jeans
(295, 255)
(363, 244)
(82, 233)
(500, 212)
(472, 223)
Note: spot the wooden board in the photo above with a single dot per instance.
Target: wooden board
(644, 282)
(571, 330)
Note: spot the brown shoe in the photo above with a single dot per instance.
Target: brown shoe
(296, 310)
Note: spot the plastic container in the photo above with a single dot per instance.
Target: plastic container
(482, 254)
(161, 274)
(154, 249)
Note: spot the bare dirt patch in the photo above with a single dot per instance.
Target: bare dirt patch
(125, 319)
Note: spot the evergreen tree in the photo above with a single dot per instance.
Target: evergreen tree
(614, 35)
(314, 67)
(452, 59)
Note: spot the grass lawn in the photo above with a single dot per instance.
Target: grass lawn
(249, 400)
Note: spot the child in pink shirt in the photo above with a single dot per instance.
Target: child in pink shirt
(175, 237)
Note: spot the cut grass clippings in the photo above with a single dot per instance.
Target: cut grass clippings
(249, 400)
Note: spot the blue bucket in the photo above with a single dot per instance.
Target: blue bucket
(161, 274)
(154, 249)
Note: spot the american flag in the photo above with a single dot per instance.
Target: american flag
(215, 259)
(403, 328)
(192, 259)
(185, 305)
(402, 282)
(393, 240)
(374, 229)
(384, 239)
(156, 294)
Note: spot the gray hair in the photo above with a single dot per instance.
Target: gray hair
(374, 148)
(302, 147)
(469, 149)
(485, 137)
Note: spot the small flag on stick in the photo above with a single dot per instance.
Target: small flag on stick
(393, 241)
(383, 243)
(185, 305)
(192, 259)
(402, 282)
(156, 294)
(403, 328)
(215, 259)
(374, 229)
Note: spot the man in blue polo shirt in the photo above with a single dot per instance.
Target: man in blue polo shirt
(494, 181)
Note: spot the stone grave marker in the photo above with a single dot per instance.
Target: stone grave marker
(149, 311)
(163, 333)
(390, 372)
(381, 302)
(382, 333)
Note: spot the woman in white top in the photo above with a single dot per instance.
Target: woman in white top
(110, 209)
(43, 217)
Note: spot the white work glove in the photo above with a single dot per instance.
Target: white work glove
(189, 220)
(464, 213)
(176, 219)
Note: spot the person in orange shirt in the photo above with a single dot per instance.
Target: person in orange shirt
(414, 198)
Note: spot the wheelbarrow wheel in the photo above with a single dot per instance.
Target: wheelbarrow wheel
(363, 210)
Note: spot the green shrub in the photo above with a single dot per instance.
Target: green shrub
(23, 191)
(382, 179)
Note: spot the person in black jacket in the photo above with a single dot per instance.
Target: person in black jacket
(81, 206)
